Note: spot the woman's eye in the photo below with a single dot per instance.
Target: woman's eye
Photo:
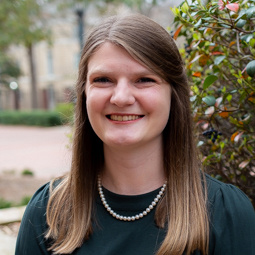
(101, 80)
(145, 80)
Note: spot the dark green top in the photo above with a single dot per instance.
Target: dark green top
(232, 225)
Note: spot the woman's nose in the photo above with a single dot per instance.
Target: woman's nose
(122, 94)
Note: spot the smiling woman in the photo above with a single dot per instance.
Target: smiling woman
(135, 185)
(127, 103)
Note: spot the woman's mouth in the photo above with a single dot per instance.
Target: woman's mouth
(116, 117)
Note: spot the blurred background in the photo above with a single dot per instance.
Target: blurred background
(40, 47)
(41, 41)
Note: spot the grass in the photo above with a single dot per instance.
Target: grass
(7, 204)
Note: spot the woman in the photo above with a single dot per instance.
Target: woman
(135, 186)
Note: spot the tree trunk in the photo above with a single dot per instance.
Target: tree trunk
(33, 78)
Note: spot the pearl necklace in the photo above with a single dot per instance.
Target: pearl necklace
(129, 218)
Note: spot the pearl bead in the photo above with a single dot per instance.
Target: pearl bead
(129, 218)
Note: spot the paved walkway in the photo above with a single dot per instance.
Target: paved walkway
(43, 150)
(7, 244)
(8, 241)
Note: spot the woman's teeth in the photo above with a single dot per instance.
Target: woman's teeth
(124, 117)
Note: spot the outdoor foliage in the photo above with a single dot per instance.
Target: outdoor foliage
(66, 112)
(33, 118)
(24, 23)
(7, 204)
(27, 172)
(220, 60)
(8, 69)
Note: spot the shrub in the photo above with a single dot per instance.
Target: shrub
(33, 118)
(7, 204)
(66, 111)
(219, 55)
(27, 172)
(4, 203)
(25, 200)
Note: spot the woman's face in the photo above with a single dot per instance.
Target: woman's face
(128, 105)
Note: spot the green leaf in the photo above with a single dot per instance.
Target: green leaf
(193, 98)
(219, 59)
(250, 12)
(247, 38)
(252, 42)
(209, 100)
(242, 14)
(185, 8)
(207, 18)
(195, 89)
(198, 23)
(229, 98)
(175, 11)
(197, 13)
(241, 23)
(242, 96)
(195, 36)
(209, 80)
(250, 68)
(222, 145)
(225, 25)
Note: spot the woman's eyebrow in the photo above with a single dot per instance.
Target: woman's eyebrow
(109, 71)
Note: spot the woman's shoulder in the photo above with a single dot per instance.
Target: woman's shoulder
(227, 197)
(37, 204)
(34, 224)
(40, 198)
(232, 219)
(218, 190)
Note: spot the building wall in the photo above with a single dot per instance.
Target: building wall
(57, 63)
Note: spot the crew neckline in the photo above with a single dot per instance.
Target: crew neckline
(128, 203)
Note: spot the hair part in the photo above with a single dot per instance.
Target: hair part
(183, 208)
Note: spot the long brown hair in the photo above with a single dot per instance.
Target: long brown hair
(183, 208)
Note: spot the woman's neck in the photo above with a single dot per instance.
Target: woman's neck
(133, 171)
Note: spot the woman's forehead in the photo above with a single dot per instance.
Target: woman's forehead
(103, 56)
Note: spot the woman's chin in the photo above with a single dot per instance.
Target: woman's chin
(122, 142)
